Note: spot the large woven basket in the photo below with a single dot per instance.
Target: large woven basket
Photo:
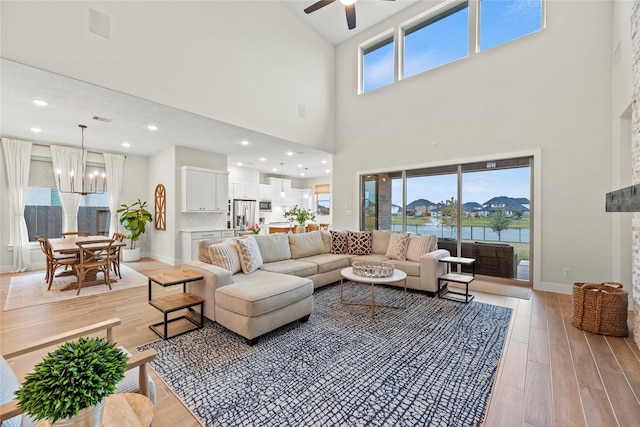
(600, 308)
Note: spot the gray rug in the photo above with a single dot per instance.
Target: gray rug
(432, 364)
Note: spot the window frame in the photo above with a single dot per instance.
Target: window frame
(377, 41)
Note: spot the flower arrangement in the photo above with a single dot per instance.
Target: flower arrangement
(255, 228)
(298, 214)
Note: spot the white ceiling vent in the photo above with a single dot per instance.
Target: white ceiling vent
(102, 119)
(99, 23)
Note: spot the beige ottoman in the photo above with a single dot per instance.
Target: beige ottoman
(260, 302)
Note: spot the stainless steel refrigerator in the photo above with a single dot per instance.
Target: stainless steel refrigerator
(244, 213)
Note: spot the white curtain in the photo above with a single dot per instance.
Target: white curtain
(17, 157)
(114, 167)
(67, 159)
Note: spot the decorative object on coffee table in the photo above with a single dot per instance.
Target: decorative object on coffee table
(397, 276)
(373, 268)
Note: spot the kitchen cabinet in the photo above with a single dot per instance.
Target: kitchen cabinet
(264, 192)
(192, 238)
(244, 191)
(204, 190)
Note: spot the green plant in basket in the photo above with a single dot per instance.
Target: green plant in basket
(298, 214)
(77, 375)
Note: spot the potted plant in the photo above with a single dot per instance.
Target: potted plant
(133, 218)
(70, 384)
(301, 215)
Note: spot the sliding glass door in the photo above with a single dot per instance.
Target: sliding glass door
(480, 210)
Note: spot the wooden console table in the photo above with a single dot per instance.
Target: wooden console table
(458, 278)
(175, 302)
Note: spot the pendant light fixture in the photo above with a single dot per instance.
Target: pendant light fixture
(97, 183)
(282, 181)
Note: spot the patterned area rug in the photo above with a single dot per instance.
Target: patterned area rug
(431, 364)
(31, 289)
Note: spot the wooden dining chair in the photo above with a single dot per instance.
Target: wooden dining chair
(95, 255)
(115, 253)
(313, 227)
(75, 233)
(53, 261)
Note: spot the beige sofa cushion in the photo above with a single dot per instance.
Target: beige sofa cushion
(262, 292)
(274, 247)
(398, 243)
(249, 252)
(380, 241)
(412, 268)
(371, 258)
(225, 255)
(291, 266)
(326, 240)
(305, 244)
(328, 262)
(420, 245)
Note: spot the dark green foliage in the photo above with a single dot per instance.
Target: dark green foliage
(298, 214)
(133, 219)
(78, 374)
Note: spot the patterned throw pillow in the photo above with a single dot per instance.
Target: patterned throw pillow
(420, 245)
(250, 258)
(225, 255)
(339, 242)
(360, 242)
(398, 243)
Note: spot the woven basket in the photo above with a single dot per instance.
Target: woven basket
(600, 308)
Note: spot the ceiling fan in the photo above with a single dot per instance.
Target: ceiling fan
(349, 8)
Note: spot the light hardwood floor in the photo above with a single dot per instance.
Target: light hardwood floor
(551, 374)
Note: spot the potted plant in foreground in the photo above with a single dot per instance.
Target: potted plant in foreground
(301, 215)
(69, 385)
(133, 218)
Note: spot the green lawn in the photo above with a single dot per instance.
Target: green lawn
(470, 222)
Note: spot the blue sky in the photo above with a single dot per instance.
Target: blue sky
(476, 186)
(446, 40)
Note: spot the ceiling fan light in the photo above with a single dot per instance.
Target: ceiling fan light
(347, 2)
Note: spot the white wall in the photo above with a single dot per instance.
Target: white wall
(547, 93)
(248, 63)
(134, 187)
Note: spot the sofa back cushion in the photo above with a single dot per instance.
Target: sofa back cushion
(420, 245)
(225, 255)
(380, 241)
(274, 247)
(360, 242)
(398, 243)
(306, 244)
(249, 252)
(339, 244)
(326, 240)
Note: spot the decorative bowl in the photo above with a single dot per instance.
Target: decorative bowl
(372, 268)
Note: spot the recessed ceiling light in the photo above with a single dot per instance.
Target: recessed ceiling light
(36, 130)
(126, 144)
(327, 170)
(274, 170)
(40, 102)
(239, 163)
(152, 127)
(299, 165)
(301, 173)
(289, 153)
(324, 162)
(244, 142)
(263, 159)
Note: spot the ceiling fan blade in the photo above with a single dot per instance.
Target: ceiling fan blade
(351, 15)
(318, 5)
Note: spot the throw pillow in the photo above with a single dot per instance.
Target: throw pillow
(306, 244)
(397, 248)
(339, 242)
(250, 258)
(225, 255)
(380, 241)
(360, 242)
(420, 245)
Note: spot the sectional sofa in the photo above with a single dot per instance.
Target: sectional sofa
(255, 284)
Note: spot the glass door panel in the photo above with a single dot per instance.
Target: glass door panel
(431, 194)
(369, 209)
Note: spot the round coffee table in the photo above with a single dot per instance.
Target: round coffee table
(397, 276)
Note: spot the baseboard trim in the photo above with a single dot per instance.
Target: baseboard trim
(559, 288)
(166, 260)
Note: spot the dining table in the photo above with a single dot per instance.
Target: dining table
(67, 246)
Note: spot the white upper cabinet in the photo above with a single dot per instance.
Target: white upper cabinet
(204, 190)
(264, 192)
(244, 191)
